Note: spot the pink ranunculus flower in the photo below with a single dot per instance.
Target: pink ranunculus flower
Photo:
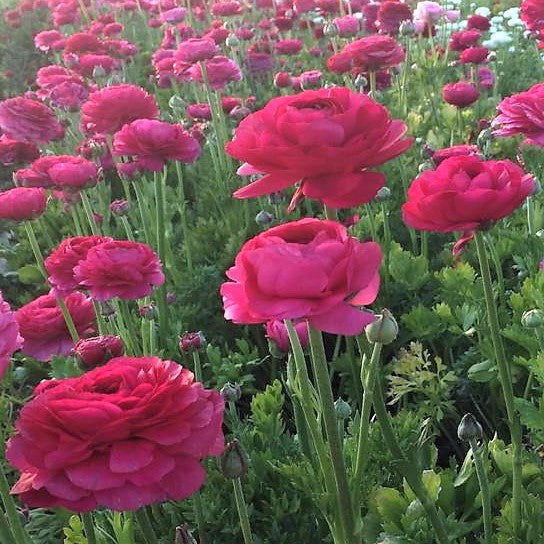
(15, 151)
(61, 262)
(195, 50)
(307, 269)
(120, 268)
(108, 109)
(44, 330)
(22, 203)
(429, 12)
(28, 120)
(10, 339)
(151, 143)
(220, 70)
(122, 436)
(276, 331)
(522, 113)
(460, 94)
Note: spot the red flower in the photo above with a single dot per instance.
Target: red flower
(195, 50)
(122, 436)
(289, 47)
(226, 8)
(152, 143)
(532, 14)
(108, 109)
(391, 14)
(14, 151)
(220, 71)
(25, 119)
(455, 151)
(10, 339)
(465, 193)
(522, 113)
(460, 94)
(340, 274)
(61, 262)
(98, 350)
(119, 268)
(327, 139)
(478, 22)
(474, 55)
(464, 38)
(21, 204)
(44, 330)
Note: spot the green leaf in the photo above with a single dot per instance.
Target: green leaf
(482, 372)
(467, 470)
(390, 504)
(30, 274)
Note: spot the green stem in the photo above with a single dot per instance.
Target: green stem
(199, 516)
(197, 366)
(5, 534)
(159, 184)
(183, 219)
(506, 382)
(368, 380)
(68, 320)
(406, 466)
(145, 526)
(35, 248)
(330, 213)
(484, 490)
(88, 526)
(242, 510)
(89, 213)
(20, 536)
(323, 383)
(530, 216)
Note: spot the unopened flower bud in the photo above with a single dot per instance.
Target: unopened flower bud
(282, 80)
(532, 319)
(106, 310)
(361, 82)
(120, 207)
(384, 329)
(231, 392)
(469, 429)
(239, 112)
(275, 197)
(264, 218)
(234, 460)
(537, 188)
(330, 30)
(426, 165)
(232, 41)
(342, 409)
(177, 104)
(98, 350)
(184, 536)
(383, 194)
(148, 311)
(427, 151)
(170, 297)
(407, 28)
(191, 341)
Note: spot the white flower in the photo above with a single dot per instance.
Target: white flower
(483, 11)
(512, 13)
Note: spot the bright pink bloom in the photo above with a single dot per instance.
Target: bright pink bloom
(220, 71)
(522, 113)
(10, 339)
(326, 139)
(122, 436)
(199, 111)
(391, 14)
(108, 109)
(341, 274)
(440, 155)
(88, 64)
(83, 42)
(226, 8)
(22, 204)
(532, 14)
(196, 49)
(289, 47)
(119, 268)
(98, 350)
(44, 40)
(277, 332)
(61, 262)
(463, 39)
(16, 152)
(465, 193)
(486, 78)
(460, 94)
(174, 15)
(474, 55)
(151, 143)
(44, 330)
(25, 119)
(347, 25)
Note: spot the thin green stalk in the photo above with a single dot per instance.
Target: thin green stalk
(506, 382)
(68, 320)
(89, 213)
(368, 380)
(197, 366)
(144, 213)
(241, 506)
(530, 216)
(183, 219)
(306, 398)
(160, 183)
(88, 526)
(20, 536)
(5, 534)
(405, 466)
(35, 248)
(199, 516)
(323, 383)
(145, 526)
(330, 213)
(484, 489)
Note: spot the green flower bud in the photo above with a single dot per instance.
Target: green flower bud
(232, 41)
(234, 460)
(532, 319)
(231, 392)
(384, 330)
(383, 194)
(469, 429)
(184, 536)
(342, 409)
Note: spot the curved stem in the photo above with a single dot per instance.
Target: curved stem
(484, 489)
(88, 526)
(242, 510)
(160, 183)
(323, 383)
(506, 382)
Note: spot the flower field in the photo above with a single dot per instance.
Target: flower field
(272, 271)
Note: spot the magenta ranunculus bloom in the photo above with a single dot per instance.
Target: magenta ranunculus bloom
(63, 172)
(124, 435)
(522, 113)
(326, 139)
(120, 268)
(532, 14)
(44, 330)
(276, 331)
(307, 269)
(151, 143)
(61, 262)
(195, 50)
(460, 94)
(28, 120)
(465, 193)
(108, 109)
(15, 151)
(220, 70)
(10, 339)
(22, 203)
(440, 155)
